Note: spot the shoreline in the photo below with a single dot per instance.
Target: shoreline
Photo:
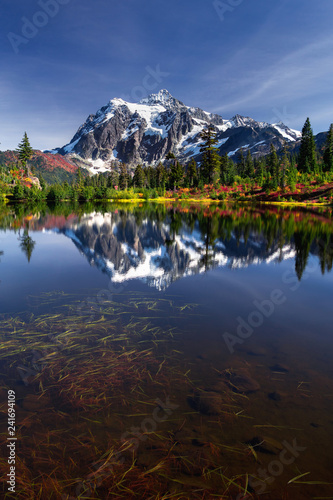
(5, 200)
(206, 201)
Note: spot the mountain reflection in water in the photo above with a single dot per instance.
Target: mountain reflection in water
(159, 244)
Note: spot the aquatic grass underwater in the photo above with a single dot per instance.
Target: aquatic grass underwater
(92, 377)
(88, 396)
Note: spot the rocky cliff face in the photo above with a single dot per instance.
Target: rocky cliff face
(146, 131)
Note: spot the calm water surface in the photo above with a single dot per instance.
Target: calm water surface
(167, 352)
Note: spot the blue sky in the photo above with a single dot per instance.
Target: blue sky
(261, 58)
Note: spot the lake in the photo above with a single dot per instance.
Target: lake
(166, 351)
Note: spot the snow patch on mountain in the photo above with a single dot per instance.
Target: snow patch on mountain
(226, 125)
(286, 132)
(162, 97)
(221, 142)
(100, 166)
(69, 148)
(231, 153)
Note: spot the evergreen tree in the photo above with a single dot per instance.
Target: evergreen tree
(210, 163)
(123, 177)
(87, 193)
(191, 174)
(285, 166)
(160, 176)
(241, 163)
(176, 174)
(328, 153)
(227, 170)
(249, 166)
(151, 181)
(224, 169)
(260, 168)
(56, 193)
(292, 175)
(139, 177)
(169, 161)
(148, 171)
(274, 166)
(112, 179)
(24, 152)
(307, 152)
(79, 178)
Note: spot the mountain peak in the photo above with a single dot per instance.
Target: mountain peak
(133, 133)
(240, 120)
(162, 97)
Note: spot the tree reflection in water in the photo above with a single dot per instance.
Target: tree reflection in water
(27, 244)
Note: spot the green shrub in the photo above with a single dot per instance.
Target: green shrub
(18, 192)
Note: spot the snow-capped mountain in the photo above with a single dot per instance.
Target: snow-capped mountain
(152, 252)
(146, 131)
